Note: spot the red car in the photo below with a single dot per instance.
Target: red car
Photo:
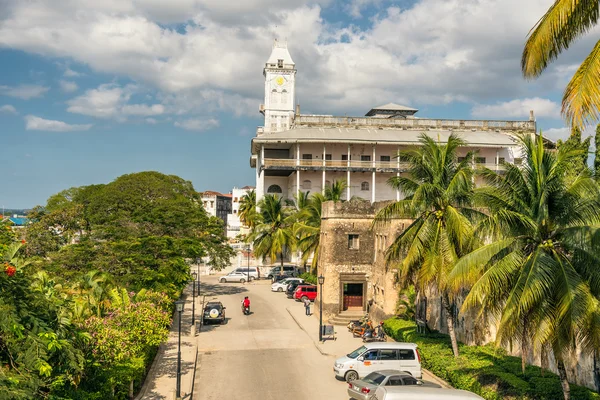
(308, 291)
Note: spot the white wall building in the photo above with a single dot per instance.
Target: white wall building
(234, 226)
(294, 152)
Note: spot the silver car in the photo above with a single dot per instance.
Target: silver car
(234, 277)
(364, 389)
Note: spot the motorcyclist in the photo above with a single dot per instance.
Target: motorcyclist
(246, 304)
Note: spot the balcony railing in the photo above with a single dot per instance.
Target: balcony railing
(291, 164)
(413, 123)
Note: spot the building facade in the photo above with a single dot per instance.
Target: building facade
(217, 204)
(295, 152)
(234, 226)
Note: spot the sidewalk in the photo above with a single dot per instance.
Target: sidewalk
(161, 381)
(344, 343)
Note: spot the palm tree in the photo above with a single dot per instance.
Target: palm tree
(94, 287)
(538, 274)
(308, 230)
(273, 233)
(247, 212)
(564, 22)
(439, 191)
(335, 191)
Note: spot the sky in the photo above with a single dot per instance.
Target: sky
(93, 90)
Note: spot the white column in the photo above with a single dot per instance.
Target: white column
(324, 165)
(297, 169)
(398, 173)
(348, 176)
(373, 178)
(260, 176)
(497, 159)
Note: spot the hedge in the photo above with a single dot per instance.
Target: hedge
(485, 370)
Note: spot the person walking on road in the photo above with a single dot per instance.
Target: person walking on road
(307, 305)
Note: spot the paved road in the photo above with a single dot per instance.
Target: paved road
(263, 356)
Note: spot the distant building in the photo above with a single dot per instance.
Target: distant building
(217, 204)
(234, 226)
(18, 221)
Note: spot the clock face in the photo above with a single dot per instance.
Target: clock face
(280, 80)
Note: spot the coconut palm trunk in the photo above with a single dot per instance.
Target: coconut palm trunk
(450, 322)
(564, 382)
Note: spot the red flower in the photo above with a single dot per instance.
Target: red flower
(23, 241)
(10, 270)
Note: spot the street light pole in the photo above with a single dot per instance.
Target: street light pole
(194, 276)
(321, 281)
(248, 256)
(179, 305)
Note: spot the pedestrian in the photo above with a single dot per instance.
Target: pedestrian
(307, 305)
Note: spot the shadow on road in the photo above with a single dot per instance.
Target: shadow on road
(220, 289)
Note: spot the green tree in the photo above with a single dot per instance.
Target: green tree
(597, 153)
(564, 22)
(308, 230)
(439, 196)
(247, 212)
(273, 235)
(576, 165)
(335, 191)
(538, 273)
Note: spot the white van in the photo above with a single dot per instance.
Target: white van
(254, 272)
(421, 393)
(376, 357)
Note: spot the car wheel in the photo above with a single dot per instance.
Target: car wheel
(222, 280)
(303, 298)
(280, 289)
(242, 280)
(251, 278)
(351, 376)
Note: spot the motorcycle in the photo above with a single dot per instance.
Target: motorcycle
(246, 309)
(360, 331)
(375, 335)
(357, 322)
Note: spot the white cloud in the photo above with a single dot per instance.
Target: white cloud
(69, 73)
(198, 124)
(8, 109)
(143, 109)
(518, 108)
(429, 52)
(106, 101)
(68, 86)
(33, 123)
(24, 92)
(151, 121)
(557, 133)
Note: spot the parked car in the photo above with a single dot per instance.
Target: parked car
(290, 270)
(280, 277)
(253, 274)
(422, 393)
(291, 289)
(363, 389)
(372, 357)
(214, 311)
(234, 277)
(280, 286)
(305, 291)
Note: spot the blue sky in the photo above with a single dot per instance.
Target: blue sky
(90, 91)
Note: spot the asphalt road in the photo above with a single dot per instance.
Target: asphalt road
(262, 356)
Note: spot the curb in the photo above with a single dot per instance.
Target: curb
(301, 327)
(151, 370)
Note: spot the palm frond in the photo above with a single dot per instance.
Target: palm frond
(581, 99)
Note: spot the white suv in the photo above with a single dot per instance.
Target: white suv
(280, 286)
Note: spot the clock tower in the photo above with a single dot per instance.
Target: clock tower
(280, 82)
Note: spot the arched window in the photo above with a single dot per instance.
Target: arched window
(306, 185)
(274, 189)
(364, 186)
(274, 96)
(284, 96)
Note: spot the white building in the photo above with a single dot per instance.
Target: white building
(217, 204)
(234, 226)
(294, 152)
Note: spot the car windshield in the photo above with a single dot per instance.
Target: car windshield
(357, 352)
(374, 378)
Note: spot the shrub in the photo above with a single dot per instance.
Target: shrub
(309, 278)
(485, 370)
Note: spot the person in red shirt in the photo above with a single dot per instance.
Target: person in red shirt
(246, 304)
